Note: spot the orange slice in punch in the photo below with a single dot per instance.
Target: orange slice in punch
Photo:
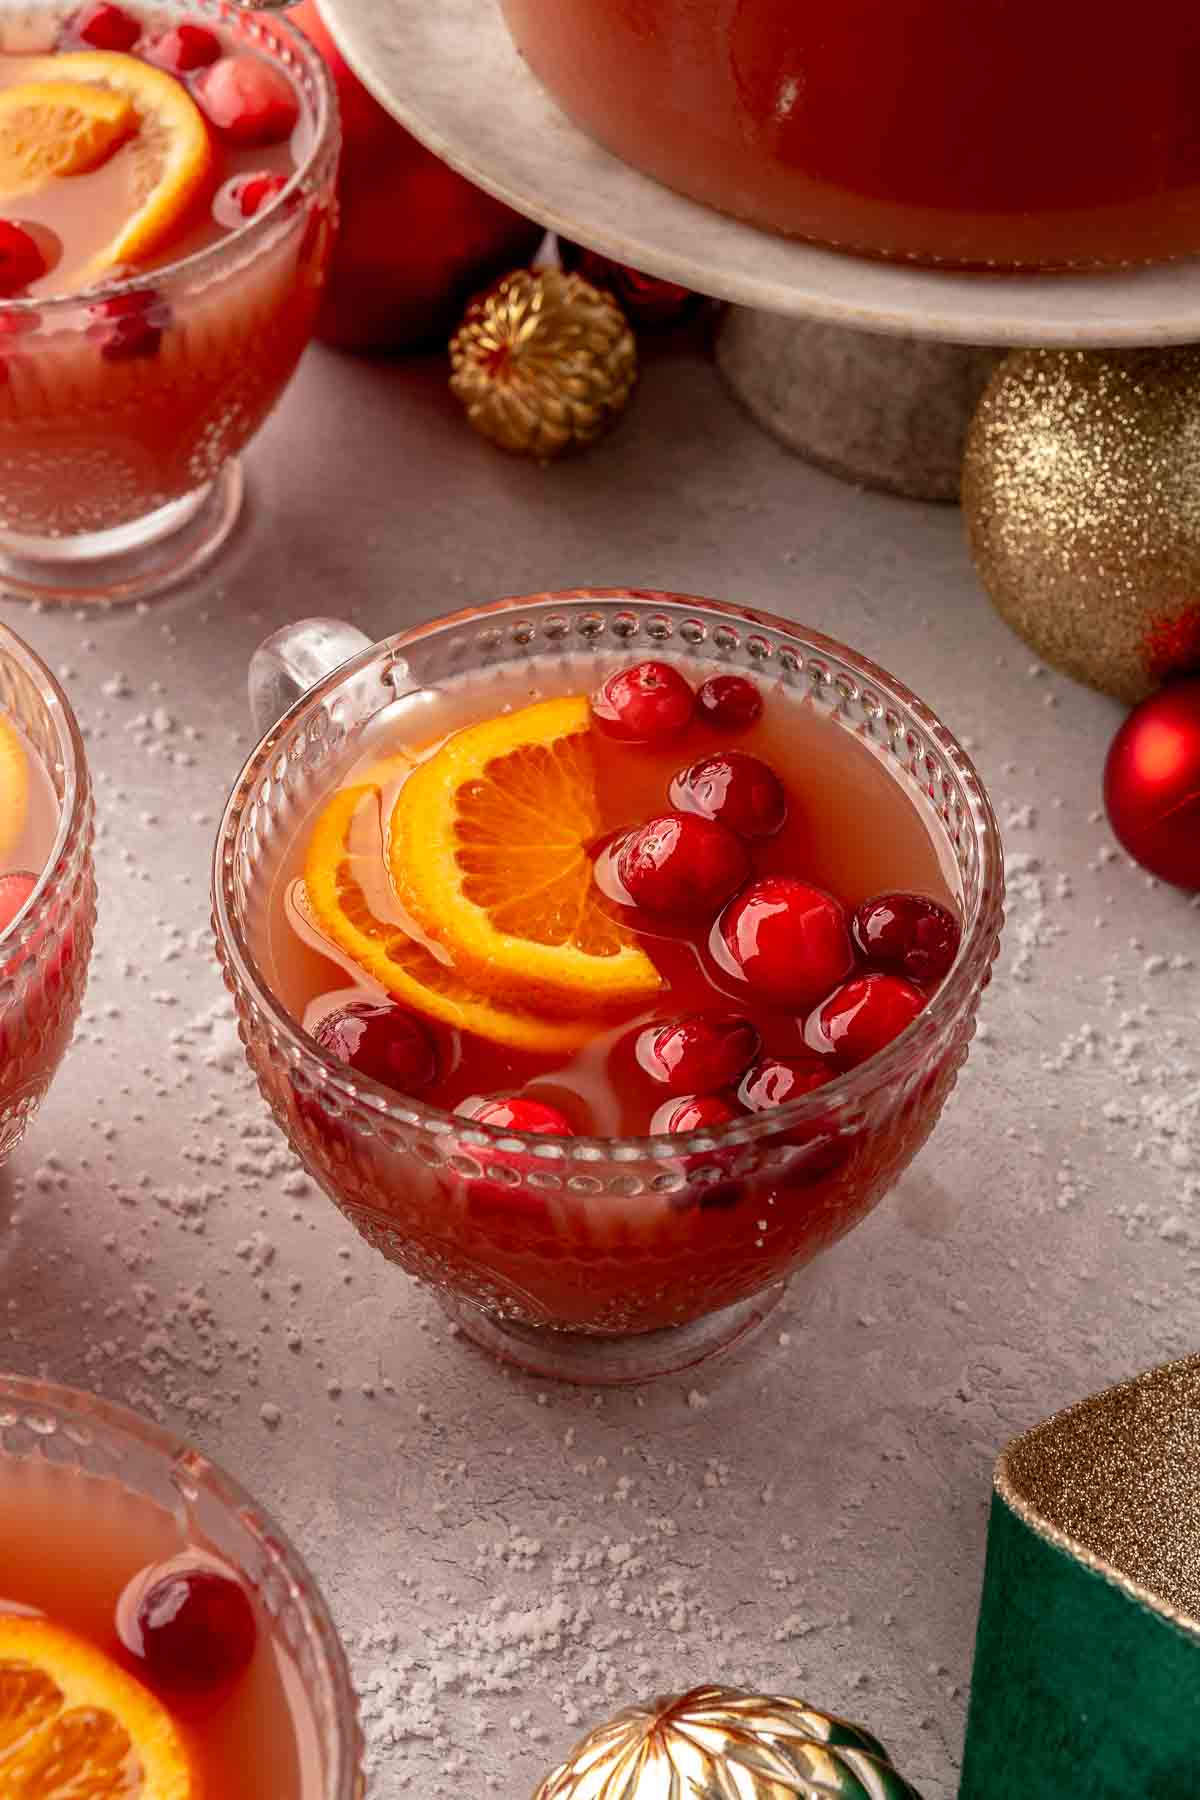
(345, 863)
(56, 128)
(75, 1726)
(489, 852)
(14, 787)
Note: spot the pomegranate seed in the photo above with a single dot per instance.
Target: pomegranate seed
(14, 892)
(698, 1112)
(244, 197)
(648, 704)
(382, 1041)
(185, 48)
(107, 27)
(248, 101)
(197, 1629)
(777, 1079)
(908, 933)
(788, 940)
(697, 1054)
(861, 1017)
(729, 702)
(21, 258)
(129, 326)
(517, 1112)
(681, 863)
(739, 790)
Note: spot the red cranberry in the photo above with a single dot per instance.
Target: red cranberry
(183, 49)
(648, 704)
(777, 1079)
(909, 933)
(697, 1112)
(129, 326)
(107, 27)
(382, 1041)
(788, 940)
(518, 1112)
(197, 1629)
(729, 702)
(21, 258)
(14, 892)
(249, 101)
(697, 1054)
(244, 197)
(862, 1017)
(681, 863)
(739, 790)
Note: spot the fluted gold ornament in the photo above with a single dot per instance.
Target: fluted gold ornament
(718, 1743)
(1081, 492)
(543, 362)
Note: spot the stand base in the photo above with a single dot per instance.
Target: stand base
(131, 562)
(611, 1362)
(889, 413)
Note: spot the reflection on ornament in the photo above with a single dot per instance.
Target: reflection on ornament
(1081, 492)
(1152, 784)
(647, 301)
(543, 362)
(717, 1743)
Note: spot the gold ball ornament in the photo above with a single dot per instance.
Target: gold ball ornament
(543, 362)
(1081, 491)
(718, 1743)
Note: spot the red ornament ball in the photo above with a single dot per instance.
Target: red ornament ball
(1152, 783)
(646, 300)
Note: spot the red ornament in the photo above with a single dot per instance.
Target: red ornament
(644, 299)
(1152, 783)
(416, 240)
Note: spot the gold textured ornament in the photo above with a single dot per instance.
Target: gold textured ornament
(718, 1743)
(1081, 491)
(543, 362)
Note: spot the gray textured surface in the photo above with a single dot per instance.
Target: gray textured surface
(508, 1561)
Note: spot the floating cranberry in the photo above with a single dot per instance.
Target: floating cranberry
(739, 790)
(648, 704)
(382, 1041)
(21, 258)
(680, 863)
(697, 1112)
(248, 101)
(14, 892)
(861, 1017)
(777, 1079)
(790, 941)
(697, 1054)
(244, 196)
(729, 702)
(106, 27)
(183, 49)
(909, 933)
(520, 1113)
(130, 326)
(196, 1629)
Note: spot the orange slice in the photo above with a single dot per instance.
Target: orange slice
(14, 787)
(344, 861)
(55, 128)
(75, 1726)
(489, 852)
(170, 150)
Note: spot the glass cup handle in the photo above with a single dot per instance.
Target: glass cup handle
(289, 662)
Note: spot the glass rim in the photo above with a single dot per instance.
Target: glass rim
(73, 808)
(122, 1422)
(326, 136)
(955, 995)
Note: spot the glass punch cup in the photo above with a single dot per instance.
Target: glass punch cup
(160, 1639)
(166, 208)
(605, 955)
(47, 887)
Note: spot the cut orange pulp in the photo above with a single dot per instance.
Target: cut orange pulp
(14, 787)
(75, 1726)
(490, 852)
(55, 128)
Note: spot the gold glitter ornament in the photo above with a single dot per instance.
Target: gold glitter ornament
(1081, 492)
(718, 1743)
(543, 362)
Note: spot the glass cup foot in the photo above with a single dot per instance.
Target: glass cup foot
(589, 1361)
(131, 562)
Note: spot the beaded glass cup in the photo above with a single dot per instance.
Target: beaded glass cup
(44, 954)
(625, 1273)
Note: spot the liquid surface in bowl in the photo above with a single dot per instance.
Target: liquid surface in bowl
(83, 1567)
